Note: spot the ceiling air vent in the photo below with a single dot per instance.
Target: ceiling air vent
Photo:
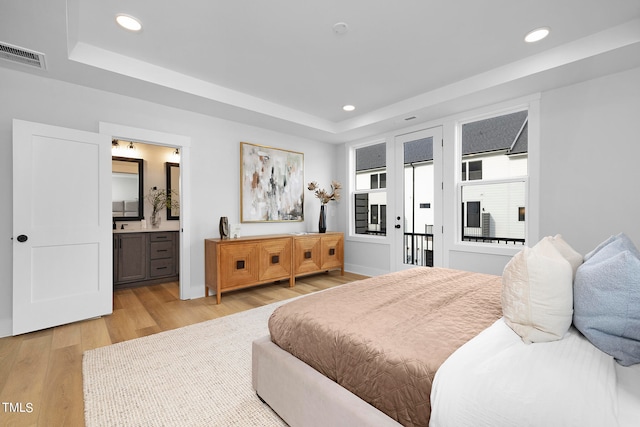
(22, 56)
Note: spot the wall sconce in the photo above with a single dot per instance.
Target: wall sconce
(176, 153)
(115, 146)
(131, 147)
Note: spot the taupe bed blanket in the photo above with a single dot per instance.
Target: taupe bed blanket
(383, 338)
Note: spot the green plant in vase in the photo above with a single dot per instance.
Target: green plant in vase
(161, 199)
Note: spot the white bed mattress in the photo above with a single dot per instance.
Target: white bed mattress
(497, 380)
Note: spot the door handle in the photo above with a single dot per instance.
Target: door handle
(397, 225)
(22, 238)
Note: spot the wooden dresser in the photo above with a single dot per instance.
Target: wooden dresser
(249, 261)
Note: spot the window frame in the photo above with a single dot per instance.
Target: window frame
(383, 236)
(530, 232)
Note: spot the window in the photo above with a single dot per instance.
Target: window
(374, 181)
(374, 214)
(370, 198)
(475, 170)
(383, 180)
(493, 180)
(378, 180)
(473, 214)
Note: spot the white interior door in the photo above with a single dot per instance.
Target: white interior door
(418, 199)
(62, 245)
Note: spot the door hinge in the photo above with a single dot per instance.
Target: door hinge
(442, 142)
(442, 185)
(442, 229)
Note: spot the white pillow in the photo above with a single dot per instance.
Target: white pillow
(574, 258)
(537, 293)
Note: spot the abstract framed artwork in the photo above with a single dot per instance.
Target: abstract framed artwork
(271, 184)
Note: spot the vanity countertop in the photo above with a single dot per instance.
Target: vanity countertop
(143, 230)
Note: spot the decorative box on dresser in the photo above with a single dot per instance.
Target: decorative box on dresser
(145, 258)
(249, 261)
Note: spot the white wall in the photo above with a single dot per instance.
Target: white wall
(215, 164)
(590, 171)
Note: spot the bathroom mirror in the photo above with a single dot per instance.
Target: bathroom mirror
(173, 187)
(126, 189)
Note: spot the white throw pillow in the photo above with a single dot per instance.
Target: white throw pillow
(537, 293)
(574, 258)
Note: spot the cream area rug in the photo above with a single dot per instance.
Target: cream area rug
(199, 375)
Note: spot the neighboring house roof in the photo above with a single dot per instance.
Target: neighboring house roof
(374, 156)
(503, 133)
(495, 134)
(420, 150)
(522, 143)
(371, 157)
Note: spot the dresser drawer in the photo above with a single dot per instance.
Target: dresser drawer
(239, 265)
(162, 267)
(161, 237)
(275, 259)
(159, 250)
(307, 255)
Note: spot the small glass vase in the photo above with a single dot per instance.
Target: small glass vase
(155, 220)
(322, 222)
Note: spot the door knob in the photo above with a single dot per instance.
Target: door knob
(22, 238)
(397, 225)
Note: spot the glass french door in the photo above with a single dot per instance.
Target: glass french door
(417, 236)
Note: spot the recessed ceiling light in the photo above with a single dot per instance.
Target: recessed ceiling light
(537, 34)
(128, 22)
(348, 108)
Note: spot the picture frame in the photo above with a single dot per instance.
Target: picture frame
(271, 184)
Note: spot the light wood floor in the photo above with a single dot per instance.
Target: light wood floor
(41, 372)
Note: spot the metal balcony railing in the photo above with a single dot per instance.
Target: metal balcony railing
(477, 234)
(419, 249)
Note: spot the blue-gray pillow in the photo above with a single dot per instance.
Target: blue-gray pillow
(606, 300)
(618, 242)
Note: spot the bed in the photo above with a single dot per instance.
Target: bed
(408, 324)
(498, 380)
(447, 348)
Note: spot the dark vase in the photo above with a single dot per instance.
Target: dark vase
(322, 223)
(224, 227)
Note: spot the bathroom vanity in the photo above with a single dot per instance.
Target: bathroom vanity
(145, 257)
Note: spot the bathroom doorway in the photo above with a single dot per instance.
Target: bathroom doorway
(160, 149)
